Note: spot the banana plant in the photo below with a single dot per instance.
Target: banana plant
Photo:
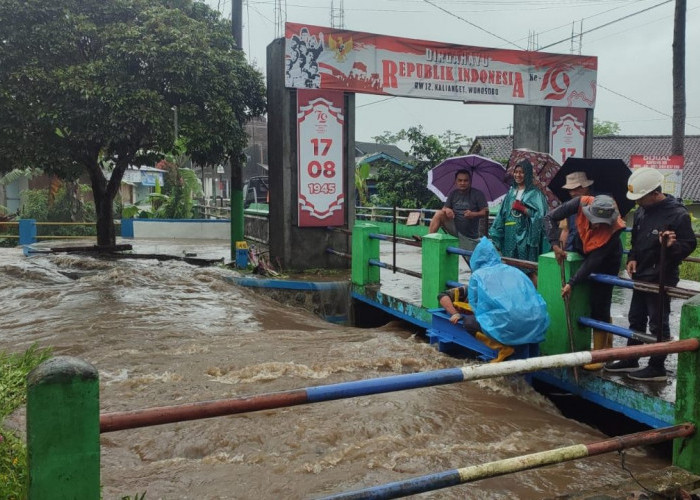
(361, 175)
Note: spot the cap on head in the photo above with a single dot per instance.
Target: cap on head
(603, 210)
(577, 179)
(643, 181)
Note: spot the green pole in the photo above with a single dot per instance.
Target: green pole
(549, 285)
(363, 249)
(63, 430)
(686, 452)
(237, 215)
(438, 266)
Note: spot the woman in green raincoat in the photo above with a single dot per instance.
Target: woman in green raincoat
(518, 230)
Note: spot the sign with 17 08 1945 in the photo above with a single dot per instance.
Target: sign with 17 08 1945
(320, 132)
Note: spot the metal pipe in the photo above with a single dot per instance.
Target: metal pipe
(567, 313)
(65, 223)
(643, 286)
(525, 264)
(393, 245)
(339, 254)
(116, 421)
(662, 288)
(454, 477)
(616, 330)
(403, 241)
(378, 263)
(339, 230)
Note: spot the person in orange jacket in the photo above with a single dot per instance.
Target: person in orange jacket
(599, 225)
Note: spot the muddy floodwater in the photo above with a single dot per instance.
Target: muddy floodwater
(164, 333)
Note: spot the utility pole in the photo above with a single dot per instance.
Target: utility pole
(678, 126)
(237, 216)
(337, 15)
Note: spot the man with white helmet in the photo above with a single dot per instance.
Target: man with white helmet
(659, 219)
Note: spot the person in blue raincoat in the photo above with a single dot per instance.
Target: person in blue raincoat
(507, 309)
(518, 229)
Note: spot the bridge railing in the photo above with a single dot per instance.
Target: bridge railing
(440, 256)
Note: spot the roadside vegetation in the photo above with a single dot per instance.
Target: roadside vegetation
(122, 82)
(174, 200)
(14, 368)
(691, 270)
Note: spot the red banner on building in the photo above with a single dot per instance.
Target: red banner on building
(320, 132)
(327, 58)
(670, 166)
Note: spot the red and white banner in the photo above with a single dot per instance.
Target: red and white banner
(325, 58)
(670, 166)
(567, 133)
(320, 124)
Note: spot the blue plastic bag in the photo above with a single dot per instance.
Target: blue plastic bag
(505, 302)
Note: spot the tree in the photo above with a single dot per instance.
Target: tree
(408, 188)
(389, 137)
(601, 128)
(90, 85)
(452, 140)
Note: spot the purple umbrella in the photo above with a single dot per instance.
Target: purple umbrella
(488, 176)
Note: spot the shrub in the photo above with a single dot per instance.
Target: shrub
(13, 452)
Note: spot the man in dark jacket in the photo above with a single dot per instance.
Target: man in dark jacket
(660, 219)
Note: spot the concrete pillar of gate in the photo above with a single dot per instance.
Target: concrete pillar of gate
(686, 452)
(438, 266)
(292, 246)
(63, 430)
(549, 284)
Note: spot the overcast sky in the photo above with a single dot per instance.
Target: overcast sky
(634, 54)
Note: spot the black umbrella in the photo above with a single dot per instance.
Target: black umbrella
(609, 176)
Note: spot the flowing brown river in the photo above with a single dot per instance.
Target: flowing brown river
(169, 333)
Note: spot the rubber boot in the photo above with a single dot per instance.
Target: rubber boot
(503, 350)
(601, 340)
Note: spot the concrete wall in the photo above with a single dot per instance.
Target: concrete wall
(182, 229)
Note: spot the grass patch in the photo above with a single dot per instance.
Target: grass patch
(13, 387)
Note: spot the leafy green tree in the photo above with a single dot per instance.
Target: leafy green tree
(408, 188)
(90, 85)
(601, 127)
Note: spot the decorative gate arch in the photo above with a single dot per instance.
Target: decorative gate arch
(313, 74)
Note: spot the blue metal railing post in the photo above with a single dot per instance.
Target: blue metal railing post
(127, 228)
(27, 231)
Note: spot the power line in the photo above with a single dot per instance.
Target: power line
(376, 102)
(642, 104)
(608, 24)
(581, 34)
(474, 25)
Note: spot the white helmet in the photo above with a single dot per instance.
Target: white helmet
(643, 181)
